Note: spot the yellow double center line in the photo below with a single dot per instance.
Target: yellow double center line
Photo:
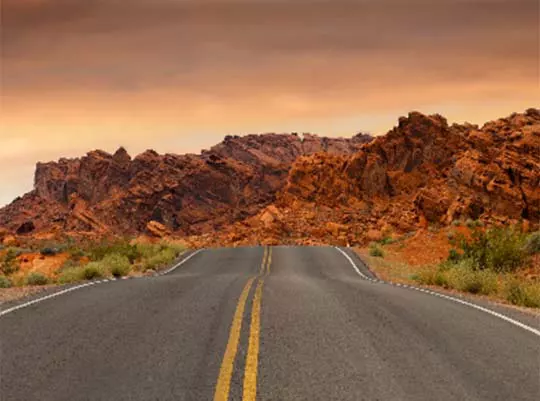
(223, 385)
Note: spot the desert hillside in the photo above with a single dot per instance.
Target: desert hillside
(296, 189)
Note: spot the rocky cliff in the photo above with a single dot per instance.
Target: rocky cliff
(102, 193)
(422, 172)
(297, 189)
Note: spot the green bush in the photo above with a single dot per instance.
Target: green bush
(523, 294)
(36, 278)
(375, 250)
(431, 276)
(9, 263)
(532, 244)
(5, 282)
(163, 258)
(122, 247)
(425, 276)
(464, 277)
(456, 223)
(71, 275)
(158, 255)
(117, 264)
(148, 250)
(453, 255)
(387, 241)
(498, 249)
(93, 270)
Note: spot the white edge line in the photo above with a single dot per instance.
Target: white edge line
(176, 266)
(77, 287)
(438, 294)
(353, 264)
(35, 301)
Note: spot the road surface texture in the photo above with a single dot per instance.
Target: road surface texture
(279, 323)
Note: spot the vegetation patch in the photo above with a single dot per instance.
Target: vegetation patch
(497, 262)
(8, 262)
(489, 263)
(117, 264)
(93, 270)
(116, 258)
(5, 282)
(375, 250)
(36, 278)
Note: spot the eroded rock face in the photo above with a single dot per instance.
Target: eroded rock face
(271, 189)
(422, 172)
(102, 193)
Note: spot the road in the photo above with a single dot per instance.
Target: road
(279, 323)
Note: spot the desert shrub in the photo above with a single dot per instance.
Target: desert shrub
(520, 293)
(453, 255)
(387, 241)
(36, 278)
(430, 275)
(470, 223)
(177, 248)
(148, 250)
(464, 277)
(424, 276)
(163, 258)
(532, 243)
(76, 253)
(5, 282)
(122, 247)
(117, 264)
(9, 263)
(71, 275)
(375, 250)
(48, 251)
(498, 249)
(93, 270)
(456, 223)
(158, 255)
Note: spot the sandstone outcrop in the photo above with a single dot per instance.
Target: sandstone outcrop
(296, 189)
(423, 172)
(102, 194)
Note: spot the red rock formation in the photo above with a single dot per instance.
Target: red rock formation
(422, 172)
(274, 189)
(189, 194)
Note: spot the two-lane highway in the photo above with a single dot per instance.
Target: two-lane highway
(272, 323)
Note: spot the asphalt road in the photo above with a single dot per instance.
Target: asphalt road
(280, 323)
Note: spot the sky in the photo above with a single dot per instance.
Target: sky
(178, 75)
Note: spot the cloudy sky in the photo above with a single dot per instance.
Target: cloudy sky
(178, 75)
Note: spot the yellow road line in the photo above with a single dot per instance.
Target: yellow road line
(269, 261)
(263, 263)
(227, 365)
(252, 358)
